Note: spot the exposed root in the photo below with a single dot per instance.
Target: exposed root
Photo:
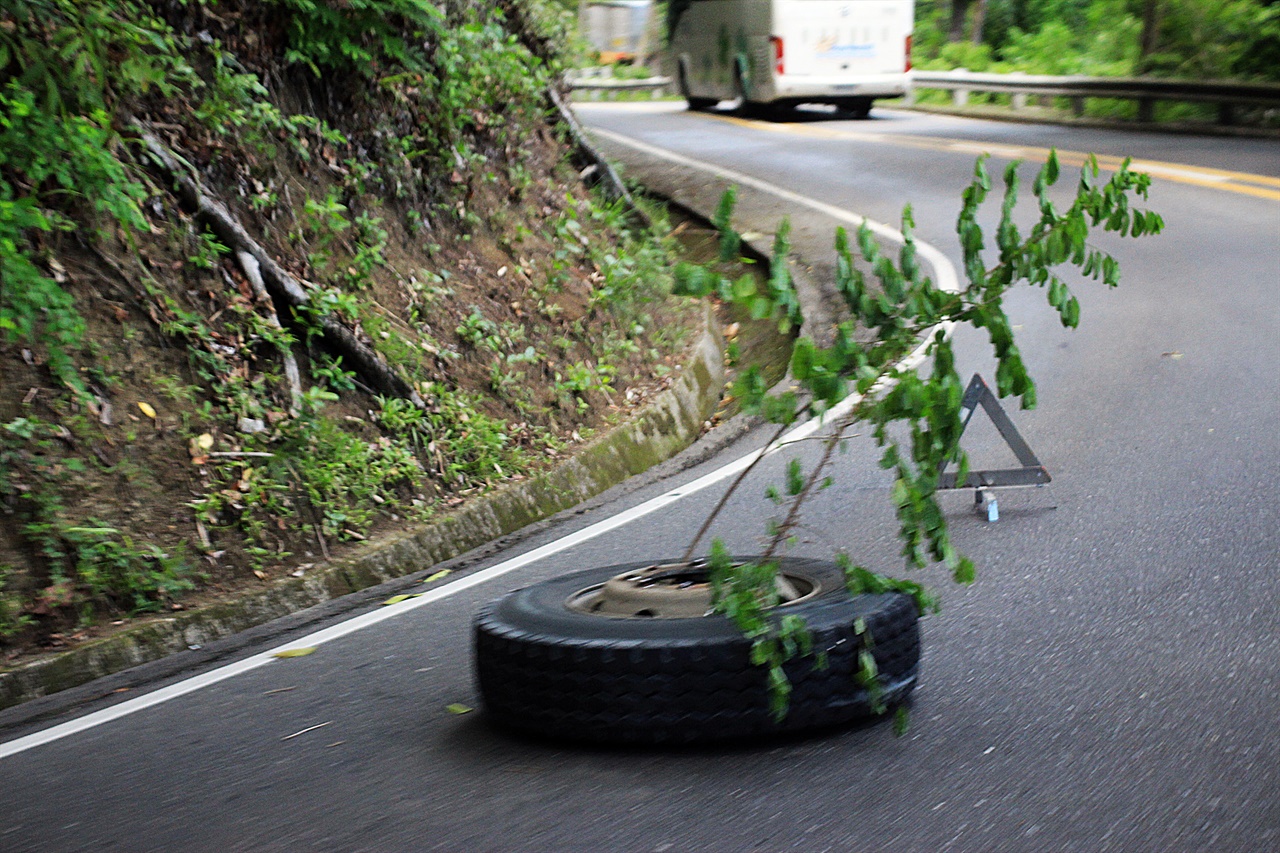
(253, 272)
(278, 283)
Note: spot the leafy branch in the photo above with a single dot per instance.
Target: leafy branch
(870, 372)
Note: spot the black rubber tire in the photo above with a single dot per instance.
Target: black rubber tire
(544, 669)
(695, 104)
(747, 108)
(859, 108)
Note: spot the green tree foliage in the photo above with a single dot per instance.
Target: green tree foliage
(1201, 39)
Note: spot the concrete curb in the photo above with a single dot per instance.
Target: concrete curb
(671, 422)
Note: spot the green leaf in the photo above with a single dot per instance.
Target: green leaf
(795, 477)
(901, 721)
(1071, 313)
(802, 359)
(761, 307)
(691, 280)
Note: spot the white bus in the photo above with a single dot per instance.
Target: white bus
(788, 52)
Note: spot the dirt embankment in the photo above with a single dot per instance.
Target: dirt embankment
(186, 415)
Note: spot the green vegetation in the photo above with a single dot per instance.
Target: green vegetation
(173, 418)
(913, 414)
(1190, 39)
(1198, 39)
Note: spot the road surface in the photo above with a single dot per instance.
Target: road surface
(1111, 682)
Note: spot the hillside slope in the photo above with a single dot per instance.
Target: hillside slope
(278, 275)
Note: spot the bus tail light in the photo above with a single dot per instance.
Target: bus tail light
(908, 65)
(778, 65)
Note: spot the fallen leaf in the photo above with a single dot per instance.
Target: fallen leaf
(1174, 354)
(293, 653)
(437, 575)
(457, 708)
(396, 599)
(205, 441)
(147, 410)
(260, 574)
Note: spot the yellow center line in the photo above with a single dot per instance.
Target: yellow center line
(1242, 183)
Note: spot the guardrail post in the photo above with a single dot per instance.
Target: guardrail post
(1077, 106)
(1146, 110)
(1226, 113)
(1018, 100)
(959, 97)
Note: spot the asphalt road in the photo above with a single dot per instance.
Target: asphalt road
(1111, 682)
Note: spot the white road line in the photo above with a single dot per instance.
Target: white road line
(944, 274)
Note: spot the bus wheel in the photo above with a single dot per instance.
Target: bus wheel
(695, 104)
(856, 107)
(747, 107)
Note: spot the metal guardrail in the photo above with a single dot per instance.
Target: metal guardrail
(596, 81)
(1229, 96)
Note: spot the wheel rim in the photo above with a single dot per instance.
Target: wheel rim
(670, 591)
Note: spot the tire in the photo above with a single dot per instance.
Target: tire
(747, 108)
(695, 104)
(545, 669)
(859, 108)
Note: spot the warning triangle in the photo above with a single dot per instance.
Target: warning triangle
(1031, 472)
